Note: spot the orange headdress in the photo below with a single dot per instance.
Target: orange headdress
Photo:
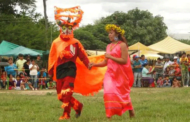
(68, 19)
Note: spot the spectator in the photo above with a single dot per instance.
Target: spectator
(18, 82)
(39, 62)
(28, 57)
(52, 85)
(175, 63)
(3, 80)
(176, 83)
(20, 63)
(146, 75)
(167, 63)
(167, 82)
(42, 74)
(137, 72)
(33, 73)
(159, 68)
(171, 73)
(11, 68)
(41, 80)
(12, 82)
(143, 61)
(26, 68)
(27, 82)
(188, 56)
(166, 72)
(184, 69)
(160, 81)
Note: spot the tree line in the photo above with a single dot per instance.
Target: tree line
(29, 28)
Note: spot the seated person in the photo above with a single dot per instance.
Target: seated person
(3, 79)
(160, 81)
(177, 73)
(146, 75)
(176, 83)
(12, 82)
(26, 82)
(167, 82)
(42, 76)
(41, 81)
(18, 82)
(52, 84)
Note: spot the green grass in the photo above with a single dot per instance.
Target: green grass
(151, 105)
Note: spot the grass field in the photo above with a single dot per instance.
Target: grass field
(151, 105)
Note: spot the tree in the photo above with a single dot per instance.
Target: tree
(46, 20)
(9, 6)
(140, 26)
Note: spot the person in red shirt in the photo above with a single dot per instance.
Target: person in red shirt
(3, 80)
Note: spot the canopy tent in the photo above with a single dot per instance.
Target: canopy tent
(94, 52)
(6, 47)
(169, 46)
(21, 50)
(141, 48)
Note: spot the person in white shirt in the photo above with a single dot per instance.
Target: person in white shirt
(167, 63)
(33, 73)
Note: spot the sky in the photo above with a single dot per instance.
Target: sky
(176, 13)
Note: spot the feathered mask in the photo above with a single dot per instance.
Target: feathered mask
(68, 19)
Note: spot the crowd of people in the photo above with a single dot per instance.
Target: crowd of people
(25, 73)
(161, 73)
(31, 74)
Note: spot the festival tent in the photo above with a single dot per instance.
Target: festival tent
(6, 47)
(141, 48)
(169, 46)
(21, 50)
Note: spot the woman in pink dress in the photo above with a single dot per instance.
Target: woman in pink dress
(119, 78)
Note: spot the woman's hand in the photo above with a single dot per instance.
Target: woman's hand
(90, 65)
(108, 55)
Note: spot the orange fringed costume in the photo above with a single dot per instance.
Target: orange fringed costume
(68, 64)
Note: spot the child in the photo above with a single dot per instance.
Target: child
(3, 80)
(176, 83)
(26, 82)
(18, 82)
(52, 84)
(12, 82)
(171, 73)
(42, 83)
(167, 82)
(22, 78)
(160, 82)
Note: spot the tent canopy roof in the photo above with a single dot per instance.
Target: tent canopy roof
(169, 46)
(21, 50)
(7, 46)
(140, 46)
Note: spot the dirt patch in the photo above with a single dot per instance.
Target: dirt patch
(29, 92)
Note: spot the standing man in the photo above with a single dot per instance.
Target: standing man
(137, 72)
(159, 68)
(143, 61)
(20, 63)
(39, 62)
(184, 70)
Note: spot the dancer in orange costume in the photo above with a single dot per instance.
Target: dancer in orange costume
(62, 59)
(65, 66)
(119, 78)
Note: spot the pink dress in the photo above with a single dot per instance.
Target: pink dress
(117, 83)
